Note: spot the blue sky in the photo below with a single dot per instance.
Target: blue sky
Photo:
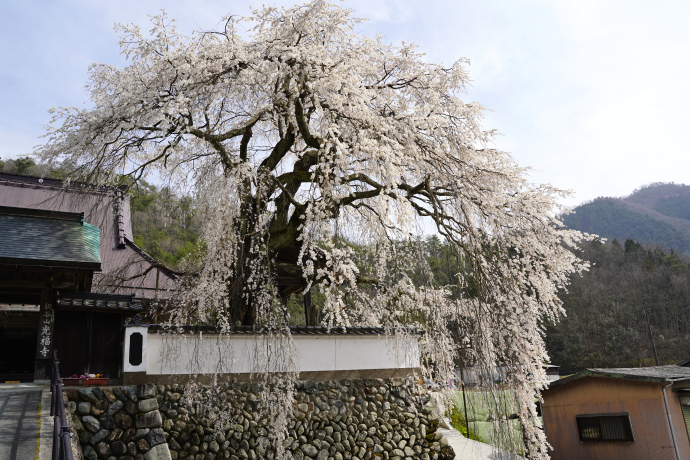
(593, 95)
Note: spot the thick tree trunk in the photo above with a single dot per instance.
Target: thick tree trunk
(312, 315)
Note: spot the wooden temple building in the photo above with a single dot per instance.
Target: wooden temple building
(70, 277)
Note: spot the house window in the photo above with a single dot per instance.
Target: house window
(605, 428)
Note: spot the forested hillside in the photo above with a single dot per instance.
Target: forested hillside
(164, 224)
(605, 324)
(28, 167)
(658, 214)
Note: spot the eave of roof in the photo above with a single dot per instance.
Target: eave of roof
(654, 374)
(93, 301)
(150, 259)
(294, 330)
(22, 180)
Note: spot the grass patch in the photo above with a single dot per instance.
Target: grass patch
(457, 421)
(484, 406)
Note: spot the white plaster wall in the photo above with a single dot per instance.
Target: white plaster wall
(243, 353)
(323, 353)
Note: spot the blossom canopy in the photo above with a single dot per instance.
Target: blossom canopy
(301, 132)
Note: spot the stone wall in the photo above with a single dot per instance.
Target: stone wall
(330, 420)
(119, 422)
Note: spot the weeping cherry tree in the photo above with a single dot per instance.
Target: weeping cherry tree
(294, 132)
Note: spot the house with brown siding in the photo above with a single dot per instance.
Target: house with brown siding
(621, 413)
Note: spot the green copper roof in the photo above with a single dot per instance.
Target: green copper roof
(35, 237)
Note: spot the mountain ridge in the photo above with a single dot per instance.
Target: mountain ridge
(656, 214)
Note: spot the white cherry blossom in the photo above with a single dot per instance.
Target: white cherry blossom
(302, 132)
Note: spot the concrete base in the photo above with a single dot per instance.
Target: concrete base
(135, 378)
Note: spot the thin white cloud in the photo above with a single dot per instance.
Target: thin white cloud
(591, 94)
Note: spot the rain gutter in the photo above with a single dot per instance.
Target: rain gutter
(668, 414)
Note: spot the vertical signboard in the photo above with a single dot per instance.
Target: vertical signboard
(45, 332)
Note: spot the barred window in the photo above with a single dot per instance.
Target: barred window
(605, 428)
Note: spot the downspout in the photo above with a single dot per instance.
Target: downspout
(668, 414)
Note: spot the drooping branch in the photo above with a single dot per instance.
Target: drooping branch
(312, 149)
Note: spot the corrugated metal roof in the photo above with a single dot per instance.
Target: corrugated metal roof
(660, 372)
(649, 374)
(131, 270)
(93, 301)
(36, 237)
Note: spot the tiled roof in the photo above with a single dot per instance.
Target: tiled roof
(48, 238)
(649, 374)
(299, 330)
(93, 301)
(315, 330)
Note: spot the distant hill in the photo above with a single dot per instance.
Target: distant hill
(608, 306)
(657, 214)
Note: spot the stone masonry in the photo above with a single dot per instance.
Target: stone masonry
(331, 420)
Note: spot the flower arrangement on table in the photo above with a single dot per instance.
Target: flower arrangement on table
(93, 379)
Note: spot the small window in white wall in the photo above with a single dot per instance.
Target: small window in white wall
(136, 348)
